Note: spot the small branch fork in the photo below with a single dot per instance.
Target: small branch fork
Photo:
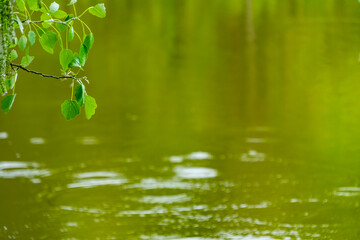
(13, 65)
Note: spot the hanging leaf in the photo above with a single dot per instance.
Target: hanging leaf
(54, 7)
(62, 27)
(66, 56)
(22, 42)
(59, 14)
(32, 37)
(80, 94)
(90, 106)
(75, 62)
(34, 5)
(10, 83)
(98, 10)
(21, 27)
(26, 60)
(70, 109)
(13, 55)
(7, 103)
(83, 54)
(89, 41)
(41, 31)
(71, 34)
(21, 5)
(48, 41)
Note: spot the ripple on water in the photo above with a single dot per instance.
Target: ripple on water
(191, 156)
(37, 141)
(176, 159)
(101, 174)
(89, 140)
(199, 156)
(253, 156)
(3, 135)
(195, 172)
(152, 183)
(168, 199)
(250, 237)
(154, 211)
(95, 179)
(347, 191)
(175, 237)
(256, 140)
(13, 169)
(83, 210)
(252, 206)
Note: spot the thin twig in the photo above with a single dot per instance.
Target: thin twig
(45, 21)
(25, 22)
(39, 73)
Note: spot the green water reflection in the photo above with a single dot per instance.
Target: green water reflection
(221, 119)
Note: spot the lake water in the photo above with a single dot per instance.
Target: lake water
(216, 119)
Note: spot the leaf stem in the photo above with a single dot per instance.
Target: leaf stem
(85, 11)
(72, 89)
(45, 6)
(74, 10)
(78, 36)
(85, 25)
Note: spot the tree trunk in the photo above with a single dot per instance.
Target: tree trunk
(7, 38)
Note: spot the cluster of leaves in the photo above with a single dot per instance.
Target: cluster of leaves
(53, 27)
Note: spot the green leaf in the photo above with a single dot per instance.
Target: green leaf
(61, 27)
(48, 41)
(89, 41)
(21, 5)
(22, 42)
(21, 27)
(75, 62)
(70, 109)
(32, 37)
(54, 7)
(13, 43)
(70, 16)
(71, 34)
(98, 10)
(26, 60)
(83, 54)
(85, 47)
(80, 94)
(46, 17)
(41, 31)
(34, 4)
(90, 106)
(59, 14)
(66, 56)
(13, 55)
(72, 2)
(7, 103)
(60, 40)
(10, 83)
